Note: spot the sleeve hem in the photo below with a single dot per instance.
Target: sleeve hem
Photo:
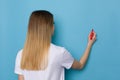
(70, 64)
(16, 72)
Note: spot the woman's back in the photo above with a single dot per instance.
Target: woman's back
(58, 59)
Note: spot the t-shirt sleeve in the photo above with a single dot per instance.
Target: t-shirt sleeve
(67, 59)
(18, 70)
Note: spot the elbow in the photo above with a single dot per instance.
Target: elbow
(78, 65)
(81, 66)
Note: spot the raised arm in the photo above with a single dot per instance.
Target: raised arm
(80, 64)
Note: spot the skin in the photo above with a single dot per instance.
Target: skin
(20, 77)
(81, 63)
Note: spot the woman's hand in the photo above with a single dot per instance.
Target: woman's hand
(93, 39)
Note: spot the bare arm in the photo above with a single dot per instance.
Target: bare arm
(80, 64)
(20, 77)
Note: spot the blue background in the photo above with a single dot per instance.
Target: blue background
(73, 21)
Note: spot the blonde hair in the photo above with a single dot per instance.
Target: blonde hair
(35, 51)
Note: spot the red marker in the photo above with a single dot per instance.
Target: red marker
(91, 34)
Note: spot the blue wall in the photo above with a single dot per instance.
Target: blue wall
(73, 21)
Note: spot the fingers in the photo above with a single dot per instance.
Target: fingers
(92, 36)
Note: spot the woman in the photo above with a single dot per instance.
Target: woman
(42, 60)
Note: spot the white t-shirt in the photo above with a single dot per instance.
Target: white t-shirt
(59, 59)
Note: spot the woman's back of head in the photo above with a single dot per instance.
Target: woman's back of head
(35, 51)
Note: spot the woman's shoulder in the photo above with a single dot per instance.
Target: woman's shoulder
(57, 47)
(19, 53)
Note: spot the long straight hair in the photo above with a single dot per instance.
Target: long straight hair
(36, 47)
